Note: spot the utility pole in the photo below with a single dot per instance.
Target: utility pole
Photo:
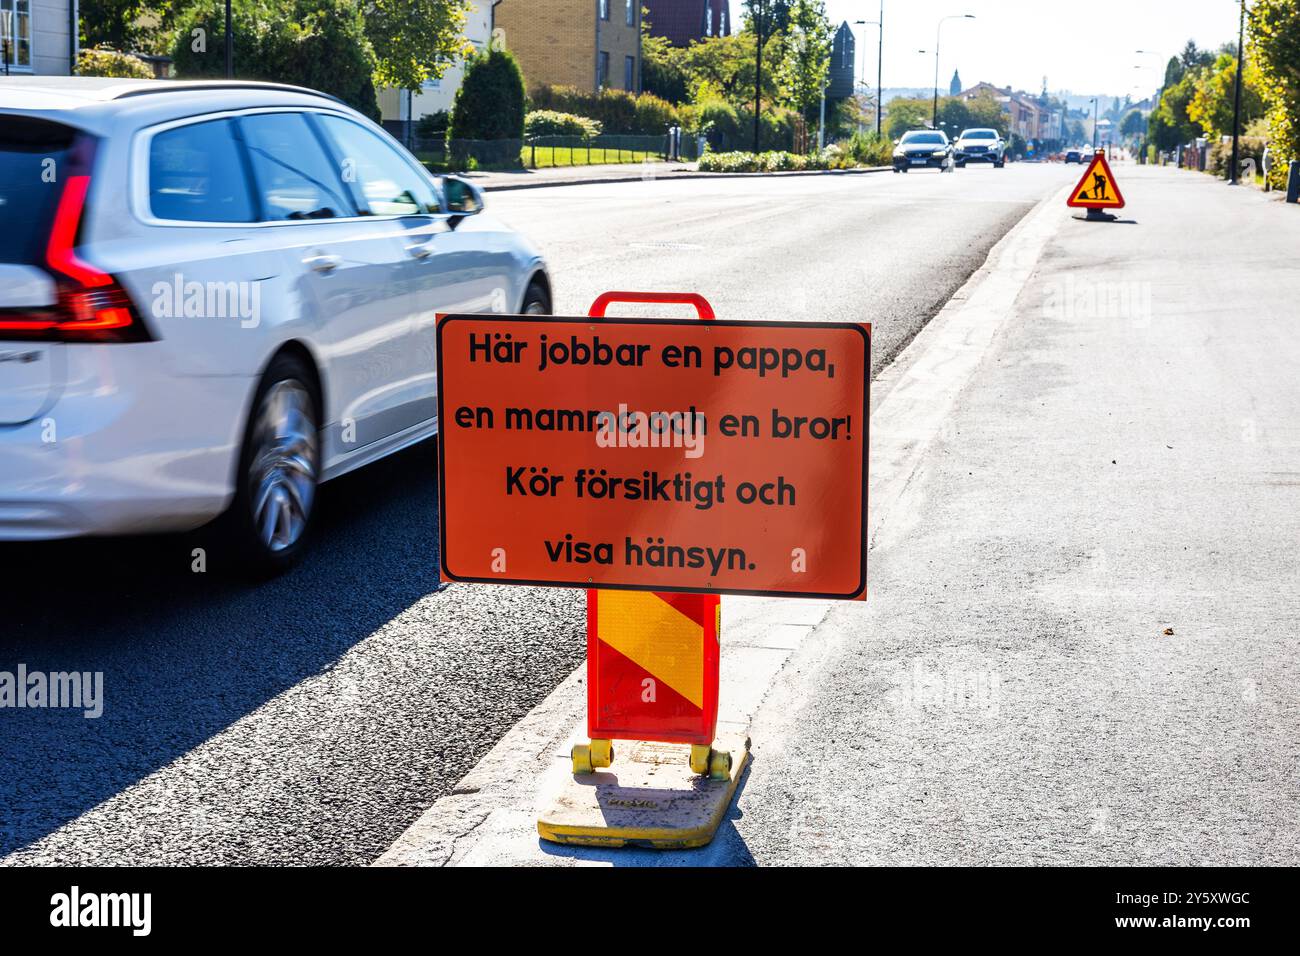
(1236, 97)
(230, 46)
(880, 54)
(760, 15)
(879, 50)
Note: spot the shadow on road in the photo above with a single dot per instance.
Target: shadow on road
(184, 655)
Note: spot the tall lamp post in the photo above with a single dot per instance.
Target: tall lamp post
(879, 50)
(1236, 97)
(937, 31)
(758, 10)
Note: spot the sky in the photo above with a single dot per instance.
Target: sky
(1083, 48)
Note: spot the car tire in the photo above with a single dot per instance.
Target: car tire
(276, 483)
(536, 301)
(961, 165)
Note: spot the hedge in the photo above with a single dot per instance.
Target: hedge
(551, 123)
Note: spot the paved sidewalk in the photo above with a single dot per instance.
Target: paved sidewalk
(625, 172)
(1082, 641)
(1081, 644)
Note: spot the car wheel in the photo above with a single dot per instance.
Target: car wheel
(961, 165)
(536, 301)
(279, 469)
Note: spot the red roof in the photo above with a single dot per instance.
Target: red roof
(685, 21)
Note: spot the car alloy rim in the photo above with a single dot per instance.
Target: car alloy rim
(283, 471)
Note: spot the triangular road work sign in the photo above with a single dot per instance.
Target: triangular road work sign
(1097, 189)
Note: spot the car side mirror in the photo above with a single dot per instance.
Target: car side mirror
(463, 197)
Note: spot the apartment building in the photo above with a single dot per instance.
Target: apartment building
(683, 22)
(588, 44)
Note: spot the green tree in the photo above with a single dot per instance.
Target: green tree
(1134, 125)
(903, 114)
(663, 66)
(777, 12)
(1169, 124)
(1275, 40)
(1212, 103)
(127, 25)
(319, 44)
(723, 68)
(415, 40)
(804, 69)
(490, 101)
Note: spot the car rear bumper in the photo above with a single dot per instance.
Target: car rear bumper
(125, 448)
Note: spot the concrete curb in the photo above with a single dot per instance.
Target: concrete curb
(640, 177)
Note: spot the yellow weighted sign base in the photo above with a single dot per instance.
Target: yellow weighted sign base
(649, 797)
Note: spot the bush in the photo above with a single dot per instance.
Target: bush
(551, 123)
(871, 149)
(617, 111)
(103, 62)
(490, 101)
(1220, 158)
(319, 44)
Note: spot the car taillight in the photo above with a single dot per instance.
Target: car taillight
(91, 305)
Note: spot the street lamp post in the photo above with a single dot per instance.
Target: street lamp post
(937, 31)
(230, 46)
(879, 50)
(760, 16)
(1236, 97)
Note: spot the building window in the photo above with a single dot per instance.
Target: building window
(629, 73)
(16, 30)
(604, 9)
(602, 80)
(631, 12)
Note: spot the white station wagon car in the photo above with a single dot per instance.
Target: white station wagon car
(215, 296)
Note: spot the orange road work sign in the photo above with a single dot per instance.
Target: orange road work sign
(1097, 189)
(649, 454)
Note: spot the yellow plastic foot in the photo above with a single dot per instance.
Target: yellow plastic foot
(581, 755)
(602, 753)
(700, 756)
(719, 765)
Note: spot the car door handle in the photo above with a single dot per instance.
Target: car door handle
(322, 263)
(420, 250)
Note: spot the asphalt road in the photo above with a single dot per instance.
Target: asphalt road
(311, 720)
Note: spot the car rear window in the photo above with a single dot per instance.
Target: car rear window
(34, 157)
(296, 178)
(196, 175)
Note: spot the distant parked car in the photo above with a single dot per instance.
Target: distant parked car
(216, 296)
(923, 149)
(980, 146)
(1074, 156)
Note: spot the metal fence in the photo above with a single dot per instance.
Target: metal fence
(542, 152)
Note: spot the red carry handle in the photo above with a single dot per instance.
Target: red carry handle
(701, 304)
